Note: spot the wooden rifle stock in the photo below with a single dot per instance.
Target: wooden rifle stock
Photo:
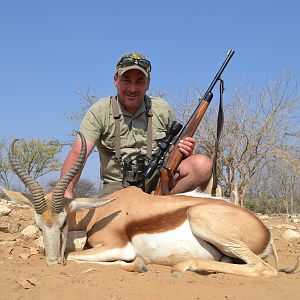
(175, 156)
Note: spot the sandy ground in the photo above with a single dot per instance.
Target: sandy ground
(23, 277)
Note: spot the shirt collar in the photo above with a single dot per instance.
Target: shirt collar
(140, 110)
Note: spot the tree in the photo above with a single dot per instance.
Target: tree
(277, 185)
(87, 100)
(6, 173)
(258, 129)
(83, 189)
(38, 157)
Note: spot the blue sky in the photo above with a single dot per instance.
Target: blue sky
(51, 49)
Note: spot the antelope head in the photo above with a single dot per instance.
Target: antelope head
(51, 211)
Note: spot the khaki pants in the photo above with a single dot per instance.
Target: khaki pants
(109, 188)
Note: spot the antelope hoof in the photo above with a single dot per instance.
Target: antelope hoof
(176, 274)
(177, 271)
(142, 269)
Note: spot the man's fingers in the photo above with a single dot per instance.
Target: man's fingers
(186, 148)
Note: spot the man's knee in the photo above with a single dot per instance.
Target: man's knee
(194, 171)
(201, 163)
(198, 165)
(201, 168)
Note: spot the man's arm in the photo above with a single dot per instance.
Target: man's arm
(70, 161)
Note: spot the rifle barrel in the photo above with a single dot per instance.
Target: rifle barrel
(206, 99)
(218, 75)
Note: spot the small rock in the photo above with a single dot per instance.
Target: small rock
(4, 227)
(4, 210)
(9, 227)
(285, 226)
(3, 201)
(40, 243)
(263, 217)
(24, 255)
(8, 243)
(291, 235)
(14, 227)
(31, 231)
(33, 250)
(8, 237)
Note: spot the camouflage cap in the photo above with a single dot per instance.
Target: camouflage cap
(136, 61)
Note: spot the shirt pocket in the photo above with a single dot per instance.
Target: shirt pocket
(109, 144)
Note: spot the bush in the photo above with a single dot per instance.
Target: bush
(265, 205)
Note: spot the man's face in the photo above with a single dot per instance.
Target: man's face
(132, 87)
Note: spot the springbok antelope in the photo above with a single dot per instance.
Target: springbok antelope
(133, 229)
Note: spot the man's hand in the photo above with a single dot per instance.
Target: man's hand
(187, 146)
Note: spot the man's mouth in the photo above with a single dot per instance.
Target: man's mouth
(131, 96)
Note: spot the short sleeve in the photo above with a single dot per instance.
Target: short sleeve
(91, 126)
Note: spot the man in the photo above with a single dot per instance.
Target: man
(143, 121)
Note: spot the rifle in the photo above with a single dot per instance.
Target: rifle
(167, 170)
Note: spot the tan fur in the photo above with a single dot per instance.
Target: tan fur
(225, 228)
(49, 218)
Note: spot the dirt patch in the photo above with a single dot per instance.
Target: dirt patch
(24, 274)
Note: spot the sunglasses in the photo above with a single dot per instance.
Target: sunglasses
(130, 61)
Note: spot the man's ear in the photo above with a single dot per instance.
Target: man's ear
(148, 83)
(116, 76)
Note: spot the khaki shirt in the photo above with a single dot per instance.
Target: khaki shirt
(98, 125)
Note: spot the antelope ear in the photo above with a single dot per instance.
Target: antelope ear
(82, 203)
(16, 196)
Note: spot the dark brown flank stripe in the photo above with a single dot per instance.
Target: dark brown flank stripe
(157, 224)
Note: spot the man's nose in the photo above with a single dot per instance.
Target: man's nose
(132, 87)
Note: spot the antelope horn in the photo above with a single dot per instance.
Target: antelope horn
(62, 184)
(35, 189)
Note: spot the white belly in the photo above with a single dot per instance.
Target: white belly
(171, 247)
